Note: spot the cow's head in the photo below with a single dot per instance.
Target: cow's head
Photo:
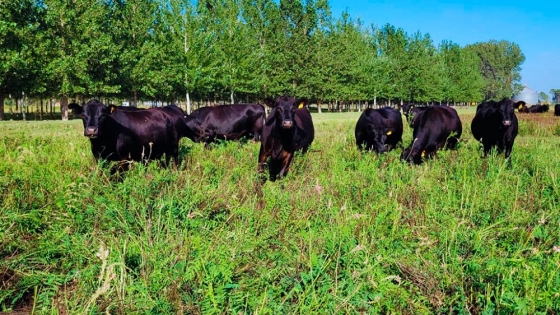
(506, 108)
(283, 109)
(93, 114)
(379, 136)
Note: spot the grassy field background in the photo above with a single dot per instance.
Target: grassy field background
(346, 232)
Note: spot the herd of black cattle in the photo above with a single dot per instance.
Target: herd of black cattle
(126, 134)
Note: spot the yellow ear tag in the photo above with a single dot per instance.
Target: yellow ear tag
(520, 106)
(112, 109)
(389, 132)
(300, 105)
(423, 153)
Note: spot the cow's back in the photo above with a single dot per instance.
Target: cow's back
(143, 135)
(440, 121)
(228, 122)
(557, 110)
(306, 132)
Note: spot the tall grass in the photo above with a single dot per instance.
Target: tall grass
(344, 232)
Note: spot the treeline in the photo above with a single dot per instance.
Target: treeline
(237, 51)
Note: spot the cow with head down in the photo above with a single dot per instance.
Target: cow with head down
(226, 122)
(495, 125)
(435, 128)
(287, 129)
(379, 130)
(119, 135)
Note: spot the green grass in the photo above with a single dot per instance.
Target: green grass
(345, 232)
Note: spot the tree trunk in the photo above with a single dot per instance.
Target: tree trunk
(23, 108)
(231, 96)
(188, 104)
(41, 110)
(2, 97)
(319, 107)
(64, 107)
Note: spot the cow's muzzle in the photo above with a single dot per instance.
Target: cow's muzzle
(287, 124)
(507, 122)
(91, 132)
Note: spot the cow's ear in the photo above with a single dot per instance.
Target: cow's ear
(269, 102)
(302, 102)
(75, 108)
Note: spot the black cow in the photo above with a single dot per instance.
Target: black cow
(538, 109)
(495, 125)
(379, 129)
(557, 110)
(287, 129)
(434, 128)
(226, 122)
(522, 108)
(122, 135)
(174, 112)
(410, 111)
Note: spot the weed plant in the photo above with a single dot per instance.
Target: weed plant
(345, 232)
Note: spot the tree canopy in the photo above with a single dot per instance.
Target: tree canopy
(236, 51)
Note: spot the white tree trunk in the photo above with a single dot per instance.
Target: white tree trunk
(188, 104)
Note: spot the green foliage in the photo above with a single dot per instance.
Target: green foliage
(344, 232)
(239, 51)
(556, 95)
(500, 65)
(544, 98)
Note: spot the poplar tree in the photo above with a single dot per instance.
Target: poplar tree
(500, 66)
(19, 64)
(78, 51)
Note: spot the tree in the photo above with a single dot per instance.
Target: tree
(19, 64)
(79, 53)
(500, 65)
(555, 95)
(423, 69)
(133, 23)
(544, 98)
(464, 82)
(392, 44)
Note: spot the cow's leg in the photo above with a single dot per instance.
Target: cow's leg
(487, 148)
(263, 155)
(285, 163)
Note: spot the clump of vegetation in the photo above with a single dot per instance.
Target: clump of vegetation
(344, 232)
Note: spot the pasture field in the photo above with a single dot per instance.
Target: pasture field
(344, 233)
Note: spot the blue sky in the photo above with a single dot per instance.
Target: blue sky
(533, 25)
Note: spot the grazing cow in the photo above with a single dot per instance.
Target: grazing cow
(557, 110)
(538, 109)
(226, 122)
(410, 111)
(434, 128)
(123, 135)
(495, 125)
(287, 129)
(379, 129)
